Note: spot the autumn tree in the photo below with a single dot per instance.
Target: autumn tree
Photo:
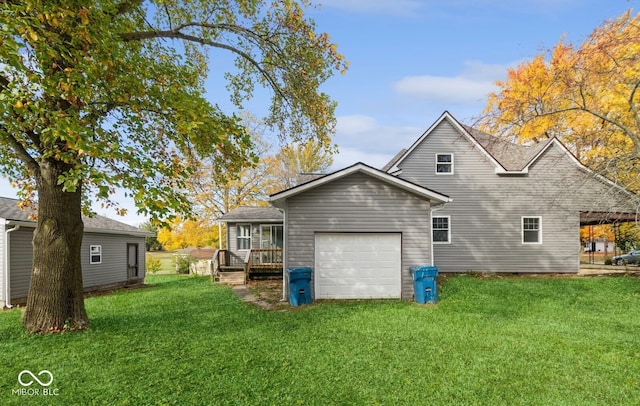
(110, 94)
(215, 191)
(587, 96)
(309, 157)
(189, 233)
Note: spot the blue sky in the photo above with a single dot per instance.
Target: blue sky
(413, 59)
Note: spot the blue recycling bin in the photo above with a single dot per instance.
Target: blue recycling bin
(299, 285)
(425, 283)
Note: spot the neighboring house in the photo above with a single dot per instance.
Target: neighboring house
(254, 241)
(599, 246)
(113, 253)
(360, 230)
(199, 260)
(515, 208)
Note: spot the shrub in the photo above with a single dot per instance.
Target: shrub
(153, 264)
(182, 264)
(608, 261)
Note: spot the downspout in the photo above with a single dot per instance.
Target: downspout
(433, 209)
(284, 254)
(7, 263)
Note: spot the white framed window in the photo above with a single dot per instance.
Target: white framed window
(444, 164)
(243, 236)
(441, 229)
(95, 254)
(271, 236)
(532, 230)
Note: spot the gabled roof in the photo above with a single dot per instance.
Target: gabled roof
(511, 156)
(252, 214)
(508, 158)
(370, 171)
(10, 211)
(393, 160)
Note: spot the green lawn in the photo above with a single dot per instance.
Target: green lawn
(490, 341)
(166, 258)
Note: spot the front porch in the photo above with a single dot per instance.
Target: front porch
(233, 269)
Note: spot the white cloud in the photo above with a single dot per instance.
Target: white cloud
(471, 86)
(361, 138)
(392, 7)
(365, 132)
(356, 124)
(349, 156)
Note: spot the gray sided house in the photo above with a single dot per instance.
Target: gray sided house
(514, 208)
(113, 253)
(360, 230)
(255, 241)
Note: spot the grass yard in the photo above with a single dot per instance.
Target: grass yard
(490, 341)
(166, 258)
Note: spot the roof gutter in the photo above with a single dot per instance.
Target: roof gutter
(284, 254)
(7, 263)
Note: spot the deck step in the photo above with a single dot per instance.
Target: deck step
(231, 277)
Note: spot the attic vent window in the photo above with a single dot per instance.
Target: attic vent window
(444, 164)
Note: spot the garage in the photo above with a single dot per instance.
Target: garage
(360, 230)
(358, 265)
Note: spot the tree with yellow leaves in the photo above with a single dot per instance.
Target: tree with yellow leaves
(189, 233)
(587, 96)
(298, 158)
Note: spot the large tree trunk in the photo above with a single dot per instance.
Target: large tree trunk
(55, 302)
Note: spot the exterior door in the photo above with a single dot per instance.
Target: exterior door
(271, 237)
(132, 261)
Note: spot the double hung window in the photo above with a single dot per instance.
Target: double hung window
(531, 230)
(243, 236)
(441, 227)
(444, 164)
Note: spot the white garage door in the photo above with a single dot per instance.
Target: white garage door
(357, 265)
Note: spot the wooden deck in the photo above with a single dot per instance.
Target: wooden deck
(256, 264)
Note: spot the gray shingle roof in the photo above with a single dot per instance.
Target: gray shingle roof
(512, 156)
(252, 213)
(393, 160)
(9, 210)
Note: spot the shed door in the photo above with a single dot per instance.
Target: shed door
(357, 265)
(132, 261)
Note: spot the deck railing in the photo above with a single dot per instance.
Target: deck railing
(266, 257)
(227, 259)
(255, 262)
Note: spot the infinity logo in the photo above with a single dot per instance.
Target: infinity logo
(35, 378)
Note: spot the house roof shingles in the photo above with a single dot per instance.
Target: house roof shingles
(252, 213)
(10, 211)
(512, 156)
